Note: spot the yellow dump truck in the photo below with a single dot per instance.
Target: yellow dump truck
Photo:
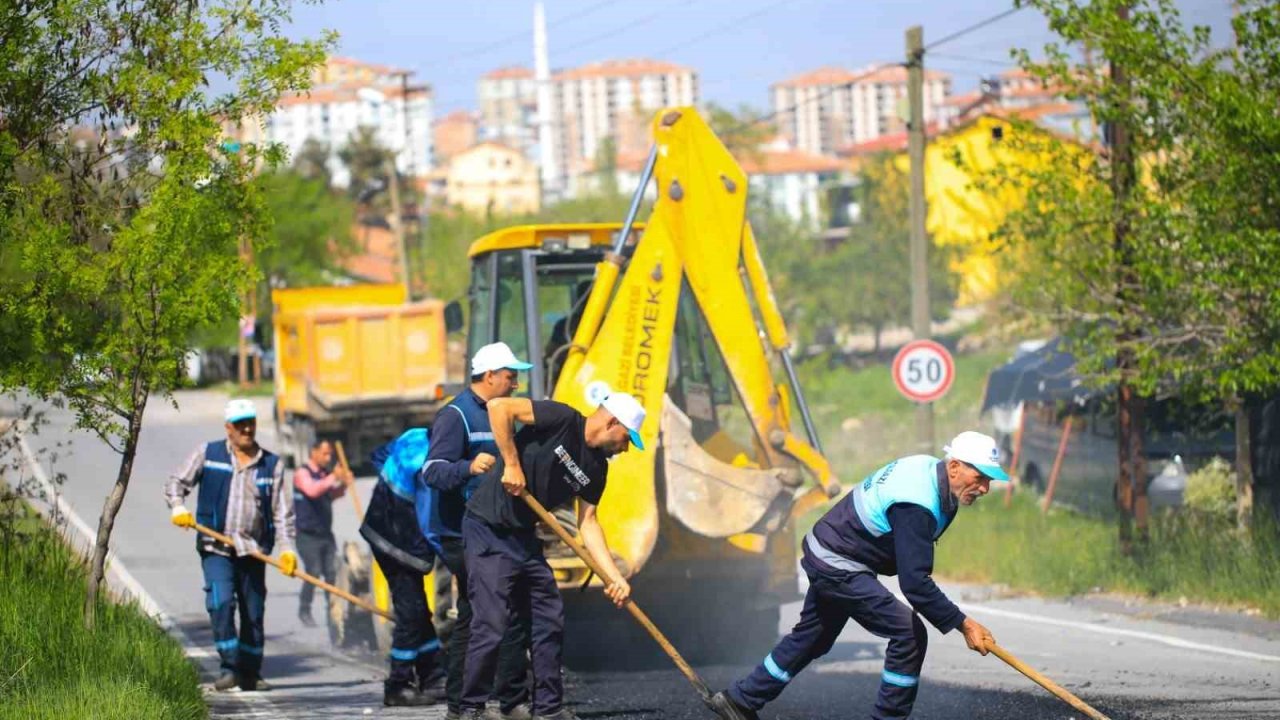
(678, 312)
(357, 364)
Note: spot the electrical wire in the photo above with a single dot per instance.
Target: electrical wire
(973, 28)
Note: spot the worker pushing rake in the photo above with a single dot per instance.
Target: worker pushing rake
(887, 524)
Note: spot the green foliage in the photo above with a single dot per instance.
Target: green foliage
(312, 161)
(52, 668)
(119, 246)
(1189, 291)
(743, 133)
(606, 166)
(1211, 490)
(446, 271)
(309, 231)
(123, 213)
(1063, 553)
(863, 420)
(366, 160)
(862, 282)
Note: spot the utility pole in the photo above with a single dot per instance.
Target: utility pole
(919, 242)
(393, 187)
(397, 223)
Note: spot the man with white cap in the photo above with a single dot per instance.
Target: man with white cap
(462, 450)
(241, 495)
(886, 525)
(557, 456)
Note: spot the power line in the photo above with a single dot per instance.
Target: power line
(819, 96)
(721, 28)
(973, 28)
(976, 60)
(504, 42)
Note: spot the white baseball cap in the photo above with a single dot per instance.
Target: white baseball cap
(496, 356)
(979, 451)
(240, 409)
(629, 412)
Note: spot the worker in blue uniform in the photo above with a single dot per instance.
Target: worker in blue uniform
(462, 450)
(887, 525)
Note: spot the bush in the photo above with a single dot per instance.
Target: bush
(1211, 490)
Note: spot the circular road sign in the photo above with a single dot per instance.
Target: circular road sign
(923, 370)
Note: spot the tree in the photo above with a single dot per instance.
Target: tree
(1155, 256)
(606, 166)
(366, 160)
(743, 133)
(312, 161)
(309, 231)
(124, 215)
(872, 267)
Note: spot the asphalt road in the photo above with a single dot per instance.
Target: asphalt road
(1130, 660)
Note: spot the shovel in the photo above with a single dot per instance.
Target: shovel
(1062, 693)
(699, 686)
(332, 589)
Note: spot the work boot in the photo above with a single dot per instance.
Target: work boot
(406, 696)
(464, 715)
(563, 714)
(305, 617)
(254, 683)
(433, 683)
(226, 681)
(725, 707)
(519, 712)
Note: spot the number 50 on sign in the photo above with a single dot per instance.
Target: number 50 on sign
(923, 370)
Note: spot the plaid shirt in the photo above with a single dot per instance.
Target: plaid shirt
(243, 522)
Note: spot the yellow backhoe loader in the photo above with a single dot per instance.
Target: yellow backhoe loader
(679, 312)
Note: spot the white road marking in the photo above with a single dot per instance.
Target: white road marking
(259, 706)
(1170, 640)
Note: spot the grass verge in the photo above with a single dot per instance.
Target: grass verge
(1200, 558)
(52, 667)
(866, 423)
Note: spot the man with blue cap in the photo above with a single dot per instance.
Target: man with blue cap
(241, 495)
(887, 525)
(558, 455)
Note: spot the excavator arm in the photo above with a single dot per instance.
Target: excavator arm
(697, 249)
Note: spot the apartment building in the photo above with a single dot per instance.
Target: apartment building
(508, 100)
(829, 108)
(612, 99)
(348, 94)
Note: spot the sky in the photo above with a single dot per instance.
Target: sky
(738, 47)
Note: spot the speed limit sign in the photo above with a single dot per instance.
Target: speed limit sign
(923, 370)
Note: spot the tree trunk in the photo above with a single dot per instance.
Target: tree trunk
(1244, 468)
(107, 521)
(1124, 474)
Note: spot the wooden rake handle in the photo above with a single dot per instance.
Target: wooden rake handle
(1063, 694)
(332, 589)
(351, 489)
(701, 687)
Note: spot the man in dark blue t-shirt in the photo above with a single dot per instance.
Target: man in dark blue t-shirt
(557, 456)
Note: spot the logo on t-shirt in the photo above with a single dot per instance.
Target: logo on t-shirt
(580, 479)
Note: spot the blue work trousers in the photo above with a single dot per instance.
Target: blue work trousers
(232, 583)
(829, 604)
(414, 645)
(506, 568)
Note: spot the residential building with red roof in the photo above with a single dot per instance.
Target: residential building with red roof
(829, 108)
(346, 95)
